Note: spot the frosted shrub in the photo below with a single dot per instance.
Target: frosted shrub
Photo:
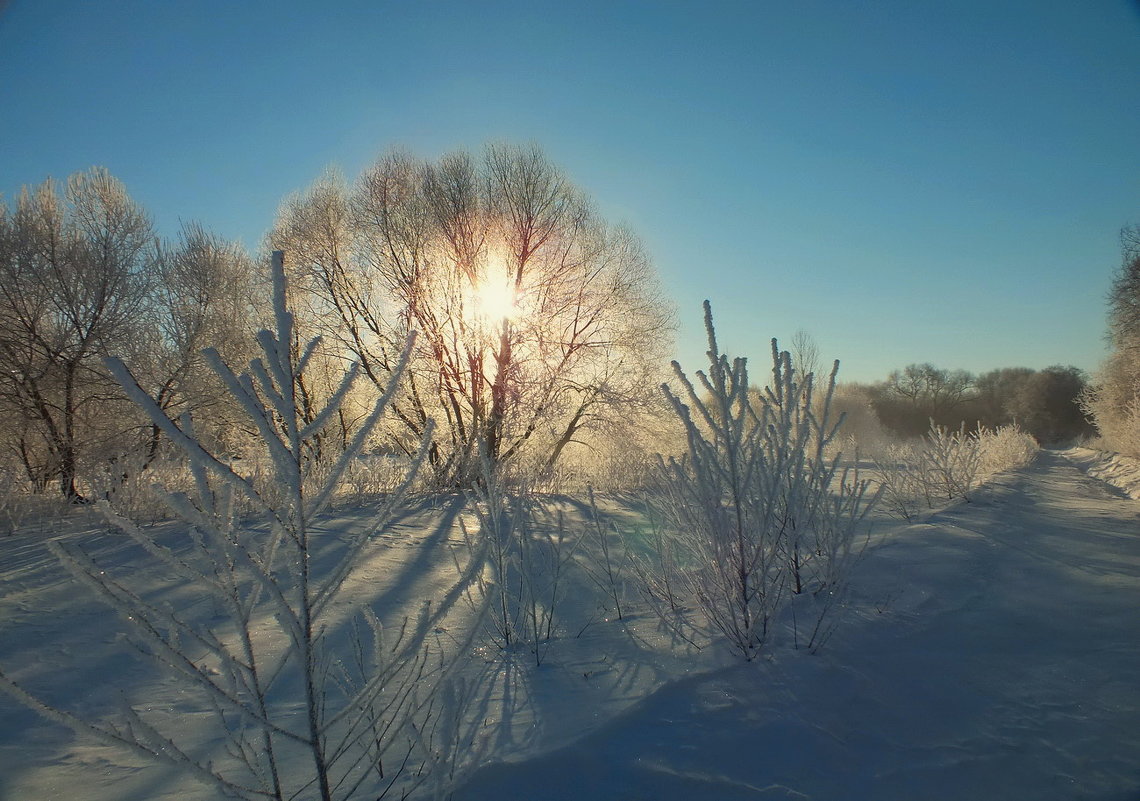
(754, 511)
(1118, 424)
(939, 467)
(1006, 448)
(370, 476)
(311, 696)
(952, 460)
(27, 510)
(862, 429)
(367, 478)
(1122, 432)
(901, 475)
(128, 486)
(654, 566)
(945, 465)
(625, 458)
(12, 494)
(608, 569)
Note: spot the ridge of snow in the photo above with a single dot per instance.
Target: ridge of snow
(1118, 470)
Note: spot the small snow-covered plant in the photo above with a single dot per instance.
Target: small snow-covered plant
(756, 512)
(1006, 448)
(608, 572)
(526, 552)
(952, 460)
(940, 466)
(945, 464)
(127, 485)
(370, 476)
(312, 697)
(653, 562)
(900, 473)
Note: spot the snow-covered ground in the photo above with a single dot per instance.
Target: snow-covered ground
(1122, 472)
(990, 652)
(993, 652)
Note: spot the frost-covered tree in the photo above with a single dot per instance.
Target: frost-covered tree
(83, 276)
(1124, 297)
(1047, 405)
(998, 393)
(311, 696)
(540, 321)
(75, 273)
(527, 554)
(805, 352)
(1112, 400)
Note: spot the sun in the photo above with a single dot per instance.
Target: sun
(493, 296)
(495, 300)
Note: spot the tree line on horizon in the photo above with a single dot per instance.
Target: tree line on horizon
(1044, 403)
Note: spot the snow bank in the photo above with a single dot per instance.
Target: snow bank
(1122, 472)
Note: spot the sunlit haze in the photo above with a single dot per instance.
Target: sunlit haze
(908, 182)
(495, 301)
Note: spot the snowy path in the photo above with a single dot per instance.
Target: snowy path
(993, 653)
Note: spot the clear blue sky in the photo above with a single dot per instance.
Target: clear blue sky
(908, 181)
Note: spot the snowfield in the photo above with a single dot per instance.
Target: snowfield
(991, 651)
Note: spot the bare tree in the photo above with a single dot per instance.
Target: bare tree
(1112, 400)
(539, 320)
(998, 392)
(1124, 297)
(929, 388)
(1047, 405)
(74, 278)
(911, 398)
(805, 353)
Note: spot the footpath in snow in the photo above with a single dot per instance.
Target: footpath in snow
(992, 652)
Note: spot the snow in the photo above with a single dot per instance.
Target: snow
(1122, 472)
(990, 651)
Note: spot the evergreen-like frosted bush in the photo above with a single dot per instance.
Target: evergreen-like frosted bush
(755, 512)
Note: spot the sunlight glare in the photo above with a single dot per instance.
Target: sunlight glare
(495, 300)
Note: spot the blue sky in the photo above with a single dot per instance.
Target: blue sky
(908, 181)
